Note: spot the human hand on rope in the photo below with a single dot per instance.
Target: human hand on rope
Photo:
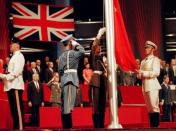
(101, 32)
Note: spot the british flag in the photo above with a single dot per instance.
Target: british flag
(42, 22)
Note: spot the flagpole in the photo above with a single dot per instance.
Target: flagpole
(109, 18)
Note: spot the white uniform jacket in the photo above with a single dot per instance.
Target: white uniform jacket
(14, 78)
(149, 71)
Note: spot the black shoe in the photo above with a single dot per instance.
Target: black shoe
(66, 121)
(69, 120)
(154, 119)
(101, 119)
(95, 120)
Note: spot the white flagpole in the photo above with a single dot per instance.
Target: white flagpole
(109, 18)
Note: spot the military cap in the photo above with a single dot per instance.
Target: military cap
(66, 39)
(150, 44)
(15, 40)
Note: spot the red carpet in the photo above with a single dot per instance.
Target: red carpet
(82, 117)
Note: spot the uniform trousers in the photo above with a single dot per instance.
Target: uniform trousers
(99, 103)
(152, 102)
(151, 99)
(68, 97)
(16, 107)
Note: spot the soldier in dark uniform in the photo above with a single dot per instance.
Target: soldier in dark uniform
(98, 82)
(54, 85)
(68, 64)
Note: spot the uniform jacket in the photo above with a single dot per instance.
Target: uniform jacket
(35, 95)
(15, 71)
(149, 71)
(74, 57)
(55, 92)
(96, 62)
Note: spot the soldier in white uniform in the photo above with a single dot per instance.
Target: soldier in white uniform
(149, 71)
(14, 85)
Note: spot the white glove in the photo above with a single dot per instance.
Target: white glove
(104, 59)
(101, 32)
(2, 76)
(74, 43)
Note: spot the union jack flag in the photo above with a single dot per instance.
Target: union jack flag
(42, 22)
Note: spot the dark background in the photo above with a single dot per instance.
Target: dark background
(92, 10)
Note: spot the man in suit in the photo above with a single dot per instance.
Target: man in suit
(14, 84)
(166, 99)
(39, 69)
(35, 98)
(98, 82)
(32, 71)
(162, 71)
(148, 72)
(68, 64)
(49, 72)
(173, 71)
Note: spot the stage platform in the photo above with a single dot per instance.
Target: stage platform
(132, 114)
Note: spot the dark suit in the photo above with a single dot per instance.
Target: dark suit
(48, 75)
(171, 75)
(30, 73)
(40, 72)
(35, 96)
(165, 94)
(162, 74)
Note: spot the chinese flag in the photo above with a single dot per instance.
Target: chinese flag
(123, 52)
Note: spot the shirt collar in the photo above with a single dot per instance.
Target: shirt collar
(16, 52)
(150, 56)
(165, 84)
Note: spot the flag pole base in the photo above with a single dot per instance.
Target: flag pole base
(114, 125)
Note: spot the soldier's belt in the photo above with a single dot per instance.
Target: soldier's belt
(70, 70)
(98, 72)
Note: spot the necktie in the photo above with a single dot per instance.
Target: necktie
(37, 86)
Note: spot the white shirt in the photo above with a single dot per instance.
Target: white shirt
(14, 80)
(36, 84)
(34, 70)
(38, 67)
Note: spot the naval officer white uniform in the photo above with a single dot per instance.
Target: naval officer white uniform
(149, 71)
(14, 85)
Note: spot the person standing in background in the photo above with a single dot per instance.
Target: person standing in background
(87, 74)
(166, 99)
(49, 72)
(14, 84)
(39, 69)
